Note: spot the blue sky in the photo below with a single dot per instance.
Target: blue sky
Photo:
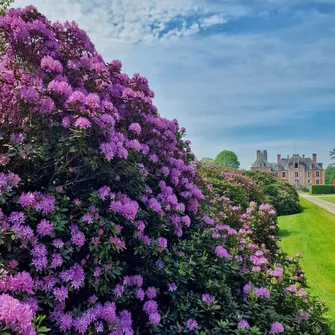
(238, 74)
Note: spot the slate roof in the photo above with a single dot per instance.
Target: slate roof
(286, 163)
(261, 160)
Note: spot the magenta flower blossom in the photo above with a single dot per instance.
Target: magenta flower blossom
(140, 294)
(82, 123)
(61, 294)
(78, 238)
(207, 298)
(191, 324)
(277, 272)
(27, 199)
(49, 64)
(109, 312)
(16, 138)
(277, 328)
(303, 316)
(243, 324)
(17, 218)
(65, 322)
(135, 127)
(151, 293)
(104, 192)
(263, 292)
(77, 97)
(222, 252)
(118, 291)
(45, 228)
(162, 243)
(150, 307)
(16, 316)
(92, 101)
(56, 261)
(172, 287)
(58, 243)
(88, 218)
(154, 318)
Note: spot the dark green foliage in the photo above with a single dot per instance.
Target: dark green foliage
(330, 175)
(323, 189)
(280, 194)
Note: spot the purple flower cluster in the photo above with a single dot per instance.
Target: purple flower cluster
(150, 307)
(15, 315)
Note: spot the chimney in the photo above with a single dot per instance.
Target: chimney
(288, 156)
(265, 153)
(278, 158)
(258, 153)
(303, 156)
(314, 158)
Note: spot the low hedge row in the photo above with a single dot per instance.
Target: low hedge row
(323, 189)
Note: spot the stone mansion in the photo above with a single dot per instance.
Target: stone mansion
(296, 170)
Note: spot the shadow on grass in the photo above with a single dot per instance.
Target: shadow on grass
(285, 232)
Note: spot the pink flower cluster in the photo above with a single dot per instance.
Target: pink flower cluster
(15, 315)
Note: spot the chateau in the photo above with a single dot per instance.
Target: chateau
(296, 170)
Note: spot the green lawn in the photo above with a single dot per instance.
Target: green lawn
(312, 234)
(330, 198)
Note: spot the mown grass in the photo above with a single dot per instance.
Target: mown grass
(312, 234)
(329, 198)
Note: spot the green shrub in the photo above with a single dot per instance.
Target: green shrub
(281, 195)
(323, 189)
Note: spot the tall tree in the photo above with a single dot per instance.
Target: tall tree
(227, 158)
(330, 174)
(332, 156)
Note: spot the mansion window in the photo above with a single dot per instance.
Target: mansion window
(296, 174)
(317, 182)
(309, 182)
(309, 174)
(276, 174)
(296, 165)
(317, 173)
(284, 174)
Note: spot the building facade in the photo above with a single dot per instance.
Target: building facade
(297, 170)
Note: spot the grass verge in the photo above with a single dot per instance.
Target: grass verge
(312, 234)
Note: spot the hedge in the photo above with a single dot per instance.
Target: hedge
(323, 189)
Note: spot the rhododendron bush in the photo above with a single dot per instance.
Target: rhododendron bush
(105, 225)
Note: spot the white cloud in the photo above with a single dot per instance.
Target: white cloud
(213, 20)
(132, 20)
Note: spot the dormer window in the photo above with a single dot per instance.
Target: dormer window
(296, 165)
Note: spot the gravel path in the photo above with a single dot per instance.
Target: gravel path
(321, 203)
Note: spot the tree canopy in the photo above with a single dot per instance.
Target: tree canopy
(227, 158)
(330, 174)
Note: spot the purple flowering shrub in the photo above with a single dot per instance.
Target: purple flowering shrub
(106, 227)
(235, 281)
(279, 193)
(240, 189)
